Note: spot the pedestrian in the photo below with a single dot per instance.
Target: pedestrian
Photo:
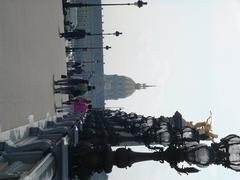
(73, 71)
(77, 99)
(81, 107)
(76, 90)
(74, 64)
(76, 34)
(76, 107)
(71, 82)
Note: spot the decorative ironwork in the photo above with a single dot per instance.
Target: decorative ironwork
(151, 131)
(172, 142)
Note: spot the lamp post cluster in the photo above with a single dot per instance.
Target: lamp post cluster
(171, 138)
(81, 33)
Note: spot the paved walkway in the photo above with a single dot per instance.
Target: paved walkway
(31, 53)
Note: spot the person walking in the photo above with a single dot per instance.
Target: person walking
(75, 34)
(76, 107)
(76, 70)
(81, 107)
(71, 82)
(76, 90)
(76, 99)
(74, 64)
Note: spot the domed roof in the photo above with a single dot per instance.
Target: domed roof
(120, 86)
(128, 85)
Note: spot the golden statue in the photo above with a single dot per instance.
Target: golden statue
(204, 128)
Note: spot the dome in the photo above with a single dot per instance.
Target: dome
(116, 86)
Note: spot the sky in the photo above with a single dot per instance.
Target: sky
(190, 50)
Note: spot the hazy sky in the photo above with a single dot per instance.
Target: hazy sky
(190, 50)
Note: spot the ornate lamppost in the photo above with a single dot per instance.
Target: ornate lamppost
(74, 49)
(81, 33)
(171, 138)
(139, 4)
(124, 128)
(89, 158)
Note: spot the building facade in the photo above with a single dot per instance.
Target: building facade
(90, 19)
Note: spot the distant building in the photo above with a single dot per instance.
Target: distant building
(90, 19)
(108, 87)
(99, 176)
(117, 86)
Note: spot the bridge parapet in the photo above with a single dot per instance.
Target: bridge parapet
(36, 156)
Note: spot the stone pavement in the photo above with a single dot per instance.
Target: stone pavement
(31, 53)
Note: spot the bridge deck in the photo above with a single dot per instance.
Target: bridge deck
(30, 54)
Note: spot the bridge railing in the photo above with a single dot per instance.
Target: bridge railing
(43, 154)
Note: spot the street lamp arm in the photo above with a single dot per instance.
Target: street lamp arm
(139, 4)
(91, 5)
(117, 33)
(69, 49)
